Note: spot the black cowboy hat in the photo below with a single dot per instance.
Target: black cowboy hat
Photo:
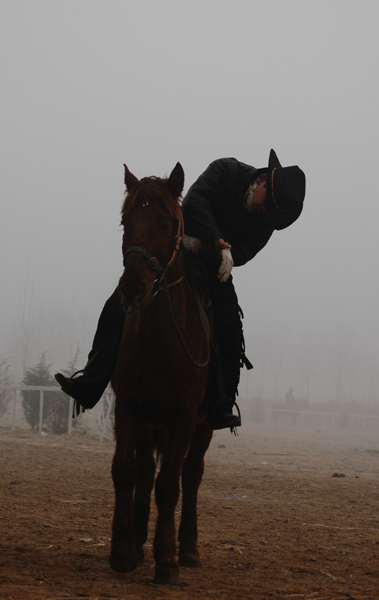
(285, 191)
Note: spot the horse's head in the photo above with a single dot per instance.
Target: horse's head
(152, 221)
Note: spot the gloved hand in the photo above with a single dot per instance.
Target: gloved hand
(191, 244)
(227, 262)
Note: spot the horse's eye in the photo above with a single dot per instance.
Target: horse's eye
(163, 224)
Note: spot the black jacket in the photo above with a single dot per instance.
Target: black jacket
(214, 208)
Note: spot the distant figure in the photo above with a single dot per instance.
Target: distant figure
(290, 397)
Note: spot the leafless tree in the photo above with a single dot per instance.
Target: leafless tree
(342, 360)
(24, 331)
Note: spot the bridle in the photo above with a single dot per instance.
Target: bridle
(154, 264)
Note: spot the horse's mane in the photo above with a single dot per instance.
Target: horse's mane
(147, 189)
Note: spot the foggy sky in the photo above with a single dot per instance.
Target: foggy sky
(90, 85)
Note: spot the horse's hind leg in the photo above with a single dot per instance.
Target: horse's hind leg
(193, 469)
(123, 557)
(144, 485)
(167, 495)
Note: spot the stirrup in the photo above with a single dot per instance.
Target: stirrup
(234, 429)
(81, 371)
(229, 403)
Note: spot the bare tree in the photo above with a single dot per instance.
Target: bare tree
(342, 360)
(24, 333)
(306, 362)
(277, 353)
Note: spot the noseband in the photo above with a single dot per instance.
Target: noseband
(154, 263)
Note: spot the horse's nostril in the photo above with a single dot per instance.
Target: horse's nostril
(135, 296)
(141, 289)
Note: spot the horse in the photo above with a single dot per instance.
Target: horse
(159, 382)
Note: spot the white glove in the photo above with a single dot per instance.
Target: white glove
(226, 265)
(191, 244)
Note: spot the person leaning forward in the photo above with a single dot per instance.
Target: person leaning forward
(229, 213)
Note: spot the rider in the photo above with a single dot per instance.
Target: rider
(230, 213)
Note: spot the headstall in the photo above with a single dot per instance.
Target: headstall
(154, 264)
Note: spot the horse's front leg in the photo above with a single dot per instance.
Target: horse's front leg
(167, 494)
(144, 485)
(123, 556)
(193, 469)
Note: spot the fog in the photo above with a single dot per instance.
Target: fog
(90, 85)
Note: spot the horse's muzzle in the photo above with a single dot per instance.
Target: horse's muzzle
(133, 296)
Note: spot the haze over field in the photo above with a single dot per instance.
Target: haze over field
(90, 85)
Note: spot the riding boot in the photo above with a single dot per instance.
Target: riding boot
(88, 385)
(222, 416)
(221, 397)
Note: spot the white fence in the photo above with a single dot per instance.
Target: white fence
(16, 389)
(274, 416)
(304, 418)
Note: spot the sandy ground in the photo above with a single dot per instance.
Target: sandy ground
(275, 521)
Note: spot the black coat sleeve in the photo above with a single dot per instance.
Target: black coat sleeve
(198, 204)
(245, 249)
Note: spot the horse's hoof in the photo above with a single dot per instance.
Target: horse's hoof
(167, 576)
(122, 565)
(189, 560)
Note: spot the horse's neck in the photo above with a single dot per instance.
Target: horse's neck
(175, 295)
(169, 325)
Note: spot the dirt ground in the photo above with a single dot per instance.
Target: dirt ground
(275, 519)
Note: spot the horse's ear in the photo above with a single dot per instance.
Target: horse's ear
(130, 179)
(175, 182)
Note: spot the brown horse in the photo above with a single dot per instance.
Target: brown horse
(160, 382)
